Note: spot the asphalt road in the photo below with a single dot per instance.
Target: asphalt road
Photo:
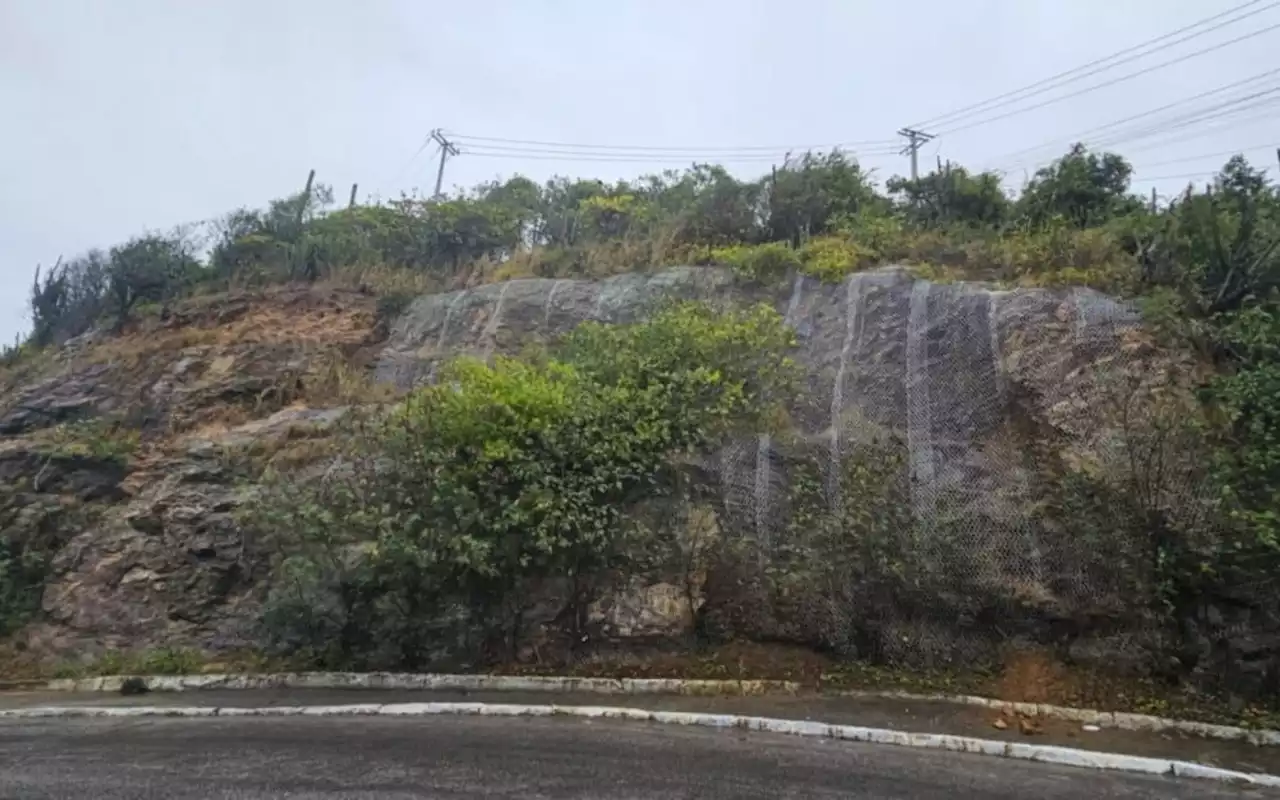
(914, 716)
(473, 757)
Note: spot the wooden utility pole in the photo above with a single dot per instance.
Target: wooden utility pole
(915, 139)
(352, 202)
(447, 148)
(1153, 200)
(306, 198)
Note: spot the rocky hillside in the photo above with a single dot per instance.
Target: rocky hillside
(118, 470)
(125, 459)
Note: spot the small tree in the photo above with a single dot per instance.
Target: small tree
(807, 195)
(146, 268)
(951, 196)
(1084, 188)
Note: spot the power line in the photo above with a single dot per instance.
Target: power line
(1083, 135)
(595, 154)
(571, 157)
(1216, 113)
(611, 159)
(1236, 117)
(1043, 85)
(1111, 82)
(635, 149)
(1213, 116)
(404, 167)
(1238, 151)
(495, 150)
(1184, 176)
(1217, 121)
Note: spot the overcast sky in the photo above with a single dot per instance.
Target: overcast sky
(125, 115)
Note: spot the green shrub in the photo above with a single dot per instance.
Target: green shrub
(880, 235)
(832, 258)
(767, 263)
(452, 510)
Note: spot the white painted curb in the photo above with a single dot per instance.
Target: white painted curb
(1044, 754)
(645, 686)
(1103, 719)
(429, 682)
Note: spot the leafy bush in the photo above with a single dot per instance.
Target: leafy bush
(832, 258)
(1058, 255)
(879, 233)
(1247, 468)
(763, 262)
(450, 514)
(829, 258)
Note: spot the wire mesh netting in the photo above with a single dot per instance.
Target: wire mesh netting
(953, 471)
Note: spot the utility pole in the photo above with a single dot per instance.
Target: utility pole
(1154, 200)
(447, 148)
(352, 202)
(306, 198)
(915, 139)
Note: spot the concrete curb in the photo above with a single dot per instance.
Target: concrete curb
(1103, 719)
(1045, 754)
(430, 682)
(645, 686)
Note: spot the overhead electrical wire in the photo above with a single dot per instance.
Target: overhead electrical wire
(1184, 176)
(1093, 67)
(619, 158)
(1197, 123)
(1238, 151)
(664, 150)
(1144, 115)
(676, 154)
(1194, 128)
(1111, 82)
(763, 158)
(1214, 114)
(1268, 115)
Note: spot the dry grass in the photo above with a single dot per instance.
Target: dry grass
(336, 380)
(385, 280)
(587, 261)
(300, 446)
(326, 321)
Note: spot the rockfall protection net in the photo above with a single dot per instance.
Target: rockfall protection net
(975, 386)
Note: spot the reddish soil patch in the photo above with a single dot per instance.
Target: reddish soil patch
(1032, 676)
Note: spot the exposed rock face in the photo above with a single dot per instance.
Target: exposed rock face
(146, 549)
(936, 364)
(946, 369)
(72, 395)
(969, 379)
